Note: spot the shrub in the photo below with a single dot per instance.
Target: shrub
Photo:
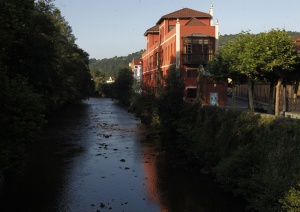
(291, 200)
(254, 156)
(21, 118)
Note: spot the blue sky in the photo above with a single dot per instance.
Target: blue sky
(108, 28)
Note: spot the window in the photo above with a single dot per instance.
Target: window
(192, 73)
(151, 62)
(171, 27)
(198, 50)
(191, 93)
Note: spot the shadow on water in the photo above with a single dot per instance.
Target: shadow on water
(49, 161)
(95, 156)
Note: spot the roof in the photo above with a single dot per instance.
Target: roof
(197, 36)
(297, 39)
(154, 29)
(184, 13)
(194, 22)
(137, 62)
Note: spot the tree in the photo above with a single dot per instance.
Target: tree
(266, 56)
(223, 66)
(234, 60)
(41, 68)
(100, 77)
(122, 89)
(277, 57)
(170, 100)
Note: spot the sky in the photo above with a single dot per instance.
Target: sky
(109, 28)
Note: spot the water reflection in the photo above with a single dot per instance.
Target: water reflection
(94, 155)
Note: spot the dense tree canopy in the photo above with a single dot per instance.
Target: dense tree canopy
(265, 56)
(122, 87)
(41, 68)
(111, 65)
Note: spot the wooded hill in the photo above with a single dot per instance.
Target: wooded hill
(111, 65)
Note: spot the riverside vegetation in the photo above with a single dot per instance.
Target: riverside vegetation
(41, 69)
(255, 156)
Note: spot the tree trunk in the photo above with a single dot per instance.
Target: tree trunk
(277, 99)
(271, 98)
(200, 85)
(250, 95)
(296, 89)
(233, 89)
(284, 100)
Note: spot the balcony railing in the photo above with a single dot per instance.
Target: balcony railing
(194, 59)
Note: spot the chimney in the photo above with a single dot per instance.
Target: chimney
(217, 35)
(211, 12)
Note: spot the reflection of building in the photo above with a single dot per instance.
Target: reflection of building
(185, 38)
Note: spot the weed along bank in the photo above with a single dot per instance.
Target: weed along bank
(187, 39)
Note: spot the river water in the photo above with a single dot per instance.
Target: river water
(95, 156)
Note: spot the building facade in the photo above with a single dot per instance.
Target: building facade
(187, 39)
(136, 67)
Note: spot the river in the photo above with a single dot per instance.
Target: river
(95, 156)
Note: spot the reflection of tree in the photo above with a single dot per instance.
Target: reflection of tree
(176, 188)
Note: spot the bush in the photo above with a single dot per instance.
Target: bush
(291, 200)
(144, 105)
(122, 87)
(254, 156)
(170, 101)
(21, 118)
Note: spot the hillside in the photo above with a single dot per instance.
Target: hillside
(112, 65)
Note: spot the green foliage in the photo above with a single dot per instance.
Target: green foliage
(100, 77)
(253, 156)
(224, 39)
(144, 105)
(170, 100)
(122, 87)
(21, 118)
(44, 51)
(291, 200)
(41, 68)
(265, 56)
(111, 65)
(106, 90)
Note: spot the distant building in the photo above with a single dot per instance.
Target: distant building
(110, 80)
(136, 67)
(187, 39)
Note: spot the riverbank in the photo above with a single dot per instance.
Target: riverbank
(251, 155)
(94, 155)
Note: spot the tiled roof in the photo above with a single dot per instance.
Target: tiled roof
(297, 39)
(197, 35)
(137, 62)
(184, 13)
(154, 29)
(194, 22)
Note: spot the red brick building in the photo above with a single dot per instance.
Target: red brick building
(188, 39)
